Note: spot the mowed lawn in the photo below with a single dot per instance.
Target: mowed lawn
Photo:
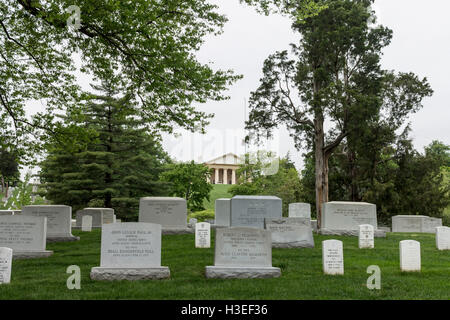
(301, 278)
(218, 191)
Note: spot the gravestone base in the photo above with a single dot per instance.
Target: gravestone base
(62, 238)
(352, 233)
(93, 227)
(216, 226)
(242, 272)
(288, 245)
(31, 254)
(177, 230)
(111, 274)
(314, 225)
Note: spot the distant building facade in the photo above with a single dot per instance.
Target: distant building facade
(223, 169)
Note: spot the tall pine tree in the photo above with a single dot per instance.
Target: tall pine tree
(118, 164)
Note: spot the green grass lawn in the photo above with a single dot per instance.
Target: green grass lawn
(301, 278)
(218, 191)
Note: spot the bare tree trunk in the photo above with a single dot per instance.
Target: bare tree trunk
(354, 195)
(321, 168)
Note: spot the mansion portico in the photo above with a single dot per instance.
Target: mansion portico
(223, 169)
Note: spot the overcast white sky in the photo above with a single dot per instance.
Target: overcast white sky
(421, 44)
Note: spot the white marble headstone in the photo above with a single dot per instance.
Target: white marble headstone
(86, 223)
(338, 215)
(5, 264)
(108, 215)
(333, 257)
(167, 211)
(299, 210)
(443, 238)
(429, 224)
(202, 235)
(222, 212)
(97, 217)
(410, 255)
(290, 232)
(366, 236)
(415, 223)
(131, 245)
(250, 211)
(23, 233)
(59, 218)
(243, 247)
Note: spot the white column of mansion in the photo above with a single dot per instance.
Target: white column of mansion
(224, 175)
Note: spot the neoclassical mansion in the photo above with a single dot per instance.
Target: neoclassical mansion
(223, 168)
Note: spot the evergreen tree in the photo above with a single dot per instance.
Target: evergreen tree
(120, 163)
(334, 76)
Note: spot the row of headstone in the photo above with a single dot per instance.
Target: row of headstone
(338, 218)
(344, 218)
(412, 223)
(265, 212)
(333, 257)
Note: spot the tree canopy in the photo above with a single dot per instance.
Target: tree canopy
(118, 163)
(189, 181)
(146, 46)
(333, 75)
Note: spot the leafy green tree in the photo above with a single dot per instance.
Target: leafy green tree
(189, 181)
(22, 195)
(439, 151)
(420, 182)
(9, 169)
(404, 181)
(299, 9)
(120, 163)
(335, 77)
(147, 46)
